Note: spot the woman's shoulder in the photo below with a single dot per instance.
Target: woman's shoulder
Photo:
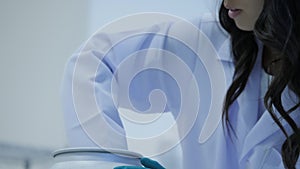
(205, 27)
(210, 25)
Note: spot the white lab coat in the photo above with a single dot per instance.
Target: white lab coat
(258, 140)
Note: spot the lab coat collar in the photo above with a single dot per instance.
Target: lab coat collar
(248, 107)
(224, 52)
(263, 130)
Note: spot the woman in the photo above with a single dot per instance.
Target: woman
(276, 25)
(261, 109)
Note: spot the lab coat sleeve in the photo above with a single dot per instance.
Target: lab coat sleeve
(87, 94)
(100, 65)
(76, 133)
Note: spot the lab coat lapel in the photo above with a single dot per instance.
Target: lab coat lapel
(265, 127)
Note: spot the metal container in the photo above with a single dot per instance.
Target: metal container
(94, 158)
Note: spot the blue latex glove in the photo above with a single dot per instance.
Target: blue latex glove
(147, 164)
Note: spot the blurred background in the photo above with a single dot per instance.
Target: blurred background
(36, 39)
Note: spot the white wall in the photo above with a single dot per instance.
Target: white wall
(36, 38)
(100, 14)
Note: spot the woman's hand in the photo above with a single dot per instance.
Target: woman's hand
(147, 164)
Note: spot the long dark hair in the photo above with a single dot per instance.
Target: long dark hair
(277, 27)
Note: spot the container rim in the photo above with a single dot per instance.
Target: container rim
(120, 152)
